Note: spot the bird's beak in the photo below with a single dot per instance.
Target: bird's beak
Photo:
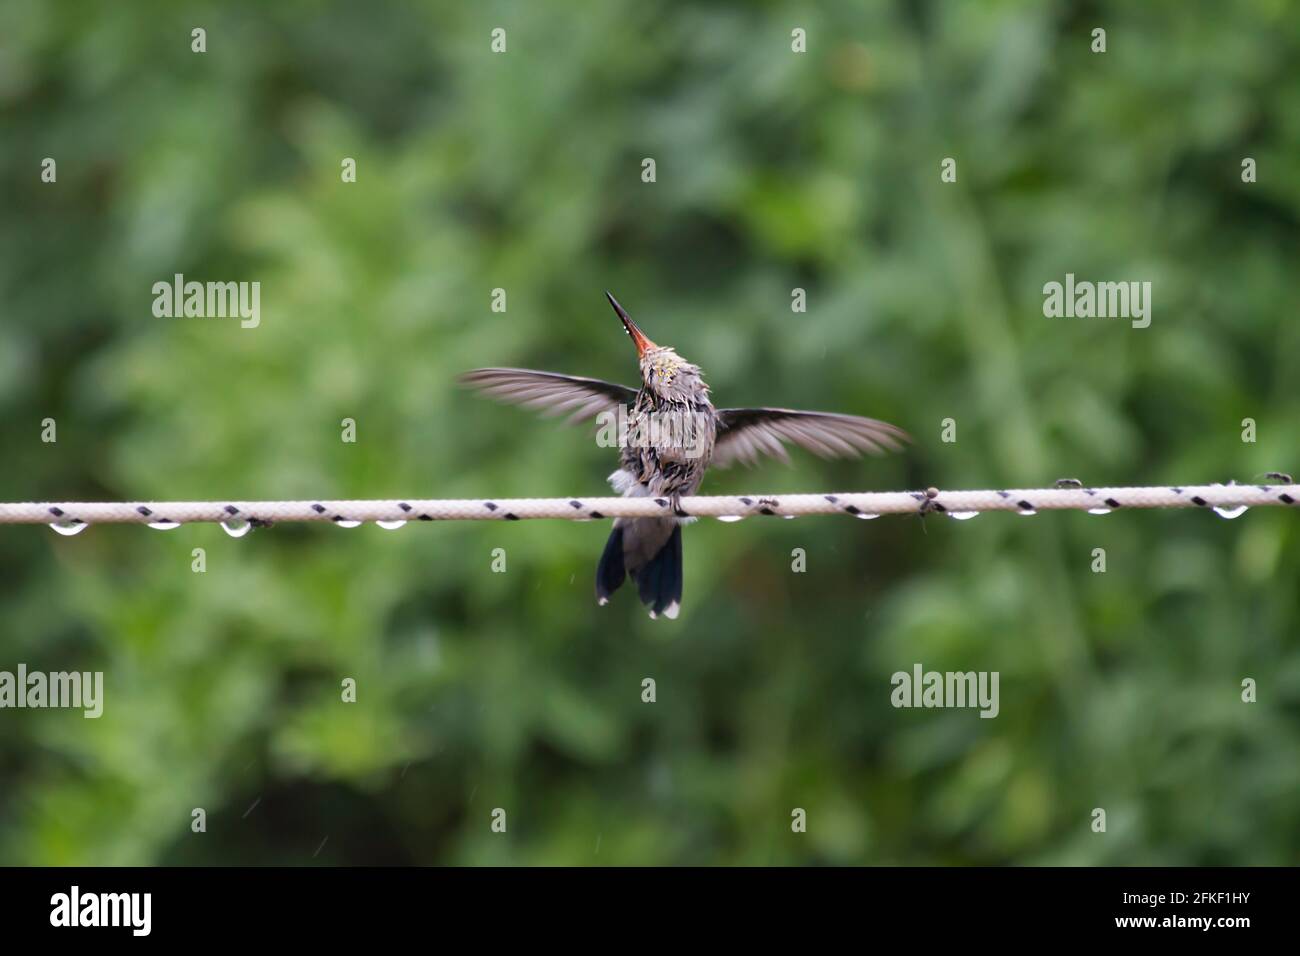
(643, 344)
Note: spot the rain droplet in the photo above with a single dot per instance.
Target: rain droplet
(1027, 512)
(236, 527)
(962, 515)
(1236, 512)
(69, 528)
(1098, 511)
(389, 525)
(866, 517)
(731, 517)
(348, 524)
(789, 517)
(164, 525)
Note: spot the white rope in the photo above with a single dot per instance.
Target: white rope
(1226, 499)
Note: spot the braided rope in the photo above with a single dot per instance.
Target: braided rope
(1228, 499)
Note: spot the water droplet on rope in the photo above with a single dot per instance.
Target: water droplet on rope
(962, 515)
(389, 525)
(69, 528)
(1098, 511)
(731, 517)
(348, 524)
(164, 525)
(1027, 512)
(789, 517)
(1236, 512)
(866, 517)
(236, 527)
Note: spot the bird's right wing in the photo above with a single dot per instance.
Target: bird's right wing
(744, 434)
(549, 392)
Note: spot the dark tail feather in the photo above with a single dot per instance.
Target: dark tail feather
(660, 581)
(610, 572)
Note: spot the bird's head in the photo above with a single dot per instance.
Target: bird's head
(663, 371)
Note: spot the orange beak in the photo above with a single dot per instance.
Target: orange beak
(643, 344)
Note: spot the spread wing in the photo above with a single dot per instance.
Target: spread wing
(746, 433)
(549, 392)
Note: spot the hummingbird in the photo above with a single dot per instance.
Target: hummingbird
(673, 435)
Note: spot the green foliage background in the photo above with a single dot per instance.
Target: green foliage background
(522, 171)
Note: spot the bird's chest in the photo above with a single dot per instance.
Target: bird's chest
(669, 443)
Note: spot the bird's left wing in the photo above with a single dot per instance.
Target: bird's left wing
(549, 392)
(746, 433)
